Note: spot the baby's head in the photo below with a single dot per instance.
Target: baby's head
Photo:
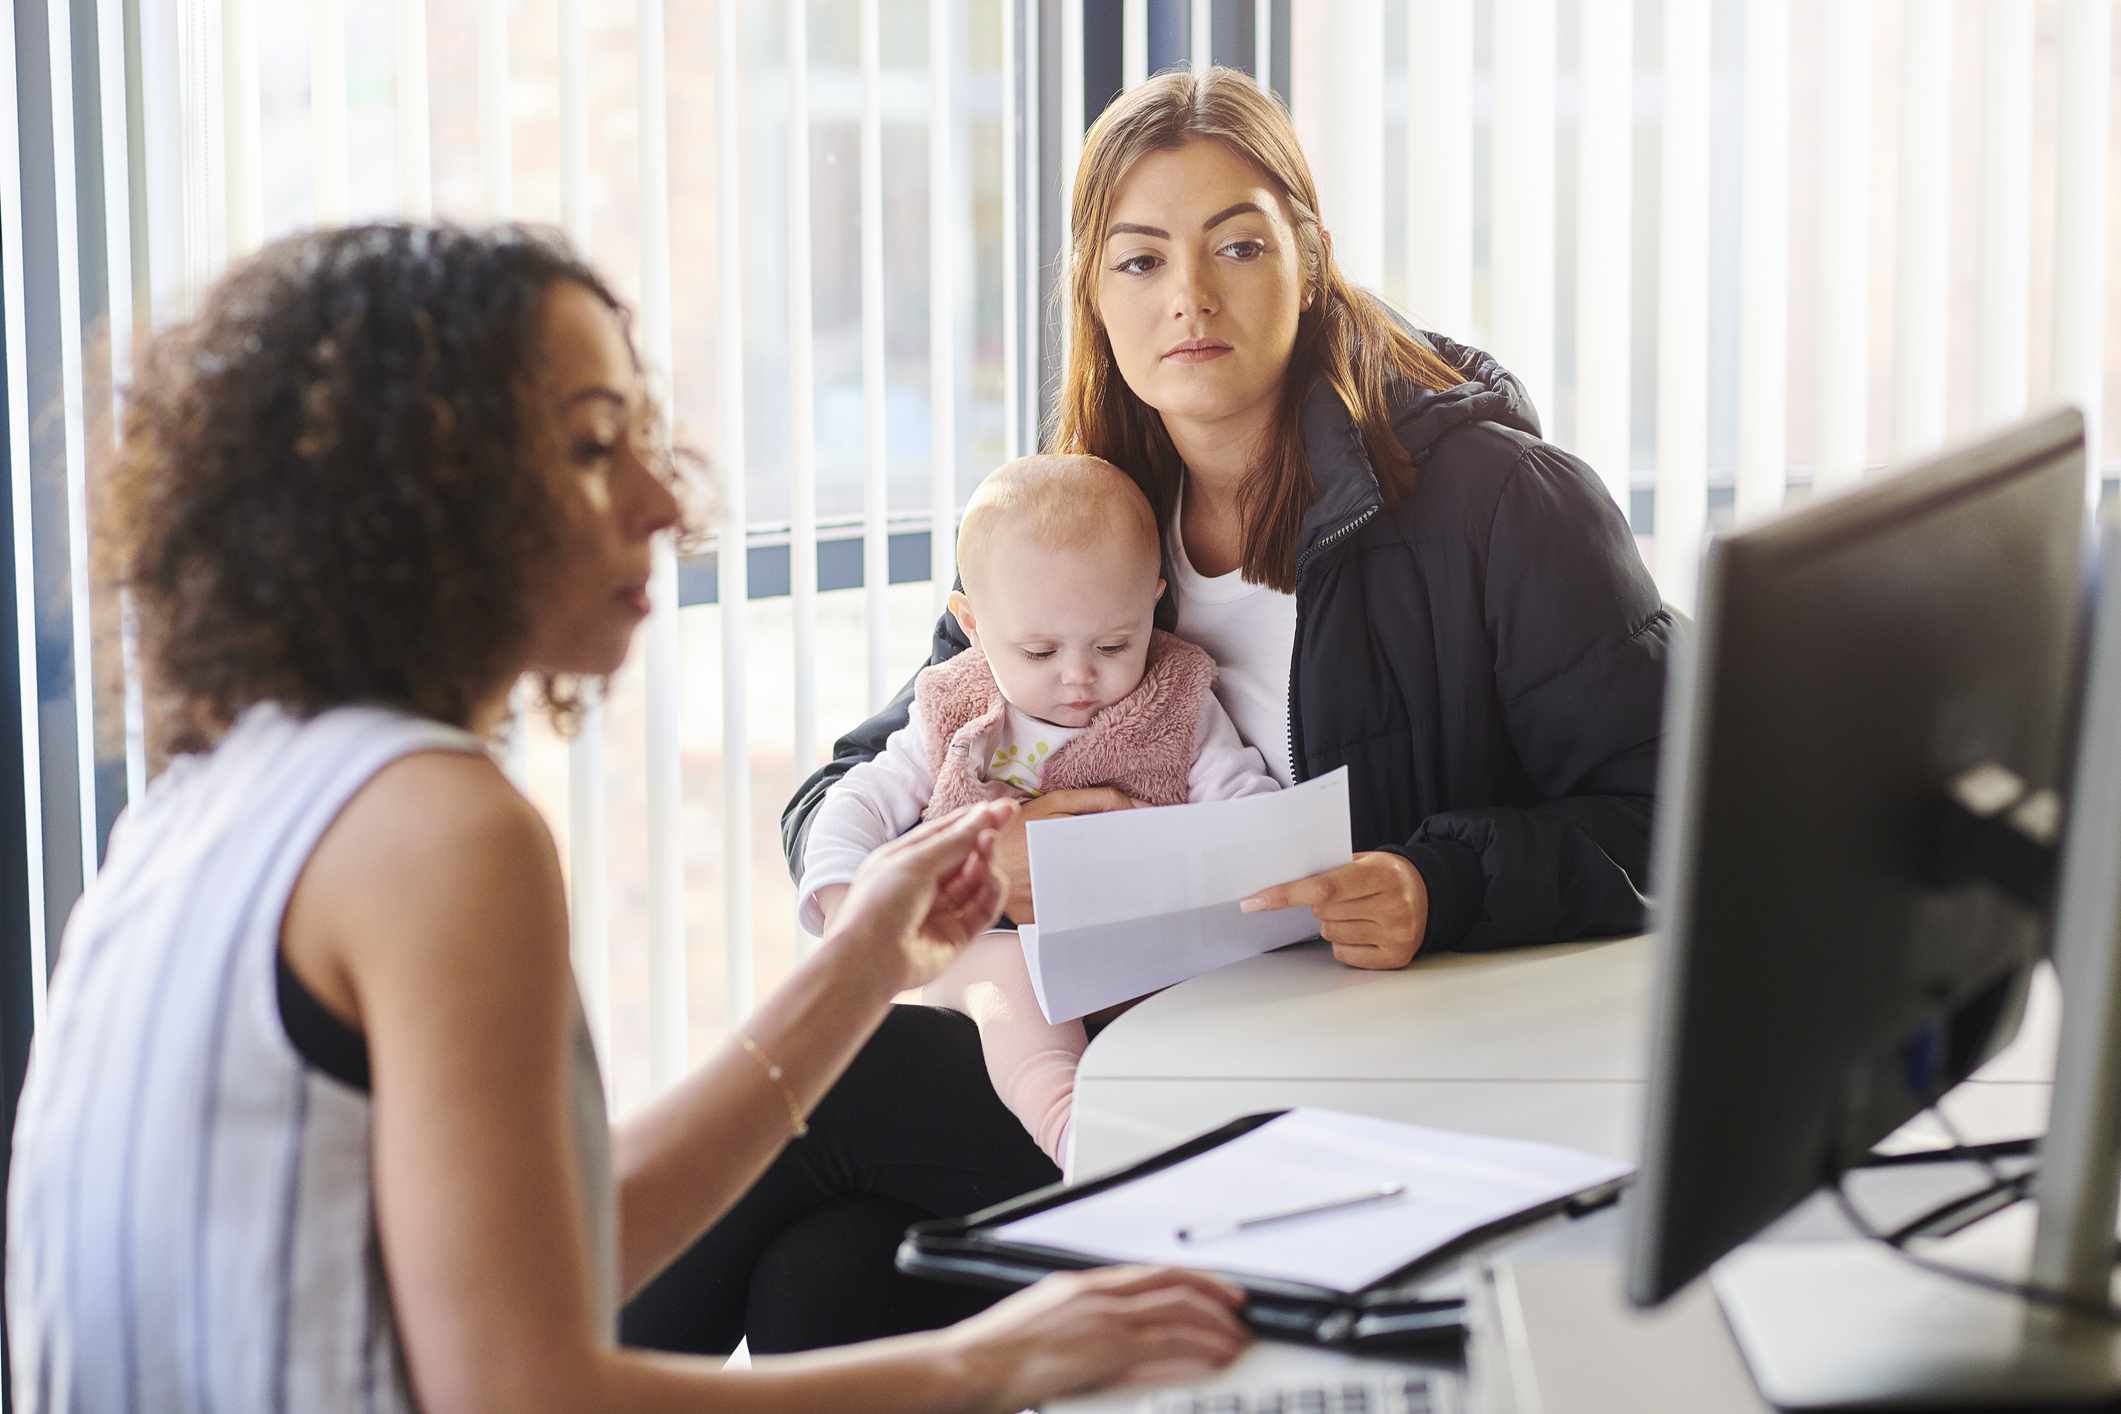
(1059, 557)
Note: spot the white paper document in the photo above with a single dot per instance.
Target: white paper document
(1450, 1184)
(1133, 900)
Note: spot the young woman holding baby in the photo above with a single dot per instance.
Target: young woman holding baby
(1391, 571)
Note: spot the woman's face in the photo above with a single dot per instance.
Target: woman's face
(1200, 283)
(585, 409)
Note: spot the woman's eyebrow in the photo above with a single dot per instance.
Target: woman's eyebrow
(596, 390)
(1235, 209)
(1131, 228)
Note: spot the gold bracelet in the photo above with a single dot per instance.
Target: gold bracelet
(796, 1124)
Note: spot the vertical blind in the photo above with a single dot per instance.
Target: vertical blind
(1495, 168)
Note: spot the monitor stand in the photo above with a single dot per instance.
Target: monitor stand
(1840, 1325)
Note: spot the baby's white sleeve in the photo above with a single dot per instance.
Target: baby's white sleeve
(1224, 768)
(872, 804)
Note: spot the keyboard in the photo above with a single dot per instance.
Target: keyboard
(1407, 1392)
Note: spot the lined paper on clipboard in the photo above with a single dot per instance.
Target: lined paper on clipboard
(1454, 1184)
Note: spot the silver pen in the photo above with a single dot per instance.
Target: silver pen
(1381, 1193)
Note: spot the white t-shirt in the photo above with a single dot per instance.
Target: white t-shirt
(1250, 632)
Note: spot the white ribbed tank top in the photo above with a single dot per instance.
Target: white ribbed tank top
(191, 1217)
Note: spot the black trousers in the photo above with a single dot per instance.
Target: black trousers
(913, 1130)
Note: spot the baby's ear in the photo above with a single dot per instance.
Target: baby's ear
(961, 609)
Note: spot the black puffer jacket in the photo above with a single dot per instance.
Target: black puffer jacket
(1486, 656)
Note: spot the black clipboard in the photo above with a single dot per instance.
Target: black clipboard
(1387, 1314)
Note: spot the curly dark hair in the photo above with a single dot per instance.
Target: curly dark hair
(325, 491)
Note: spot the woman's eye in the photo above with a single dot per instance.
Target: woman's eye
(589, 449)
(1245, 250)
(1138, 264)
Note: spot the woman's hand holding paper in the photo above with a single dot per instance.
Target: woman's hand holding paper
(1012, 853)
(1374, 909)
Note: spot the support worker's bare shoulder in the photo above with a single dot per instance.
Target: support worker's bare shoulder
(437, 853)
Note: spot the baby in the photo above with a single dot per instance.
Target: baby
(1067, 684)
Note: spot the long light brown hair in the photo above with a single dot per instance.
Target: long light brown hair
(1345, 337)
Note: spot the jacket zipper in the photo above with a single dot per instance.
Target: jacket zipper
(1296, 761)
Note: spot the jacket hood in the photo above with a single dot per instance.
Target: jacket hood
(1491, 393)
(1340, 463)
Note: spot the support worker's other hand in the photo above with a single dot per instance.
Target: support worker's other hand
(923, 897)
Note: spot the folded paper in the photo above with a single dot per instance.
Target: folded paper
(1131, 901)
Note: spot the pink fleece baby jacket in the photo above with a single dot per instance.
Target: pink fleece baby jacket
(1143, 744)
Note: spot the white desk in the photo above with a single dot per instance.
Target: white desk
(1536, 1043)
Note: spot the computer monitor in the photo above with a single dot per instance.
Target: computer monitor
(1834, 954)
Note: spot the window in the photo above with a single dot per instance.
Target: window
(1738, 251)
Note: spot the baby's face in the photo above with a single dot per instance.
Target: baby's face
(1065, 631)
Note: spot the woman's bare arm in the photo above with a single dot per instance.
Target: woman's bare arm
(690, 1155)
(685, 1159)
(441, 891)
(438, 893)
